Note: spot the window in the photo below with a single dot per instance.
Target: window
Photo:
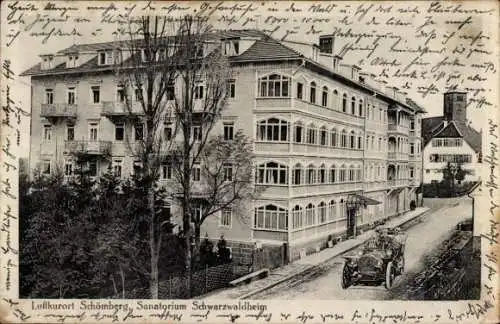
(196, 130)
(323, 136)
(49, 96)
(120, 93)
(360, 108)
(352, 173)
(93, 131)
(170, 91)
(45, 167)
(412, 173)
(68, 168)
(322, 174)
(70, 132)
(138, 132)
(412, 124)
(231, 88)
(47, 132)
(310, 215)
(226, 217)
(343, 139)
(322, 212)
(298, 217)
(228, 131)
(167, 132)
(119, 132)
(166, 171)
(379, 143)
(333, 174)
(137, 167)
(297, 174)
(272, 129)
(332, 210)
(412, 148)
(96, 94)
(353, 105)
(138, 94)
(311, 134)
(311, 174)
(161, 55)
(335, 99)
(117, 168)
(300, 90)
(198, 91)
(324, 97)
(360, 142)
(227, 169)
(312, 93)
(92, 168)
(196, 172)
(344, 103)
(102, 58)
(342, 177)
(333, 138)
(274, 86)
(298, 132)
(352, 140)
(460, 98)
(71, 96)
(271, 217)
(272, 173)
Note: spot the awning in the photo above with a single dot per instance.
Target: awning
(366, 200)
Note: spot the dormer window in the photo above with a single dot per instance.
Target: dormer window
(231, 47)
(72, 61)
(47, 62)
(105, 58)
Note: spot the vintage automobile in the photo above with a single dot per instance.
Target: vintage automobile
(380, 260)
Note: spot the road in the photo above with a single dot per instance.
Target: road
(324, 282)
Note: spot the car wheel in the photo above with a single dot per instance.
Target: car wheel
(346, 277)
(389, 275)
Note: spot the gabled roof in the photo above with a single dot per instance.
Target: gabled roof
(435, 127)
(268, 49)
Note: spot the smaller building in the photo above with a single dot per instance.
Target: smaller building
(450, 138)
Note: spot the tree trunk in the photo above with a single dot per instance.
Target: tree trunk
(197, 241)
(122, 276)
(186, 212)
(153, 285)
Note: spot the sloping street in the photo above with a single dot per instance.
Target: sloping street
(324, 282)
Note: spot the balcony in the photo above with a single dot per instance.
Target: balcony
(116, 111)
(61, 110)
(372, 186)
(400, 129)
(324, 189)
(88, 147)
(397, 156)
(397, 183)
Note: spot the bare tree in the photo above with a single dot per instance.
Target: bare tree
(177, 73)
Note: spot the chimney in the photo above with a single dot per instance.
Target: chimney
(336, 62)
(355, 72)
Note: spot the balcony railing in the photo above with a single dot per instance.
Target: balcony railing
(88, 147)
(399, 156)
(60, 110)
(398, 128)
(397, 183)
(112, 108)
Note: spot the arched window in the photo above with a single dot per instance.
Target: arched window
(311, 174)
(360, 141)
(322, 174)
(311, 134)
(368, 111)
(322, 212)
(272, 173)
(271, 217)
(324, 97)
(353, 105)
(272, 129)
(342, 171)
(342, 213)
(351, 173)
(344, 103)
(372, 173)
(335, 99)
(298, 216)
(298, 132)
(379, 143)
(274, 85)
(312, 92)
(332, 210)
(358, 173)
(333, 139)
(297, 174)
(323, 136)
(310, 211)
(360, 108)
(333, 174)
(343, 139)
(352, 140)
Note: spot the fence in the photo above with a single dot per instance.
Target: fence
(270, 257)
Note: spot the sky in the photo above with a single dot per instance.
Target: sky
(448, 43)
